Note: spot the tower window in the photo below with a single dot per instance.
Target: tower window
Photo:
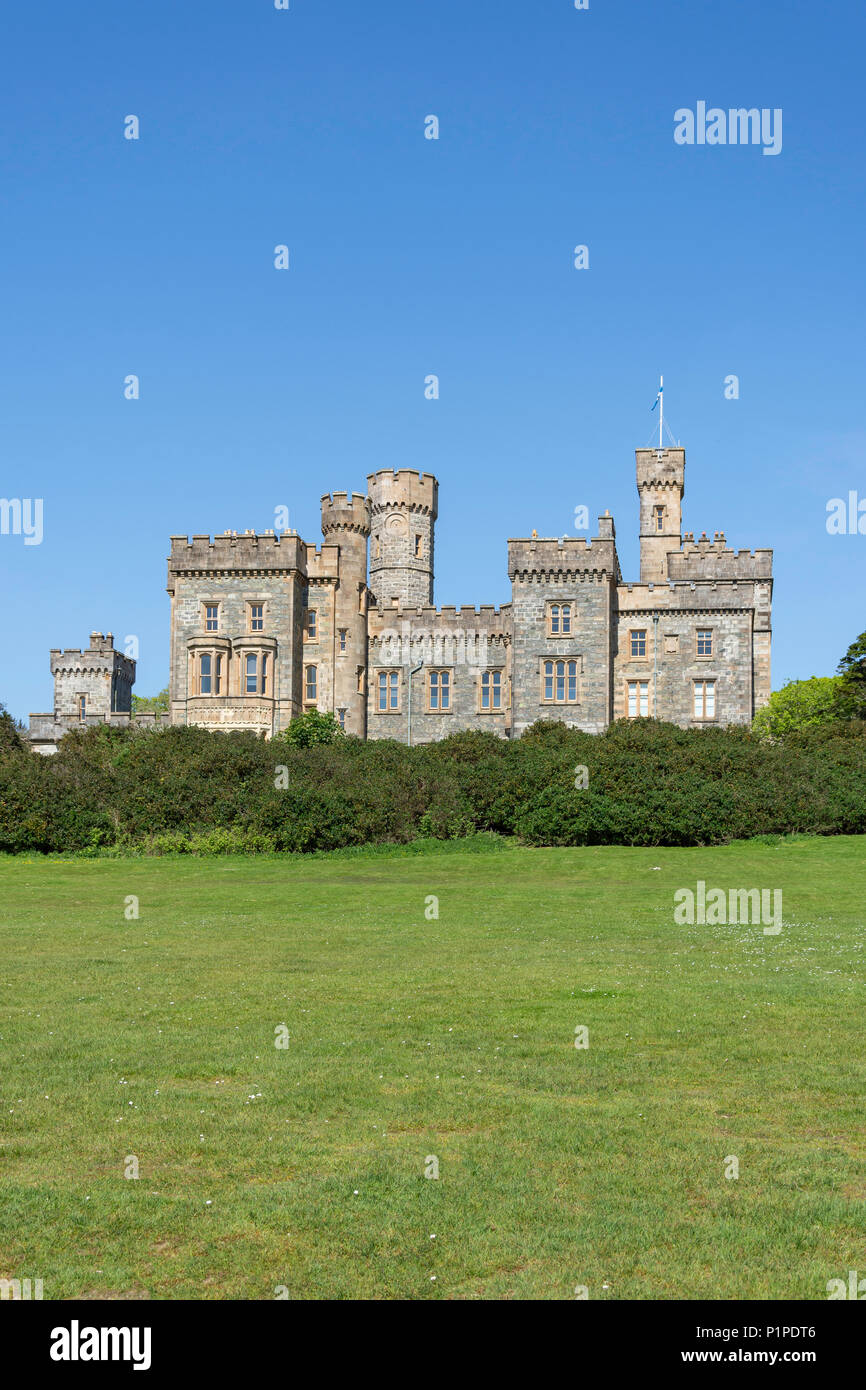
(638, 699)
(417, 547)
(560, 682)
(660, 518)
(312, 624)
(82, 706)
(342, 640)
(257, 617)
(311, 684)
(559, 620)
(211, 617)
(439, 691)
(705, 700)
(705, 641)
(638, 642)
(491, 690)
(341, 715)
(389, 691)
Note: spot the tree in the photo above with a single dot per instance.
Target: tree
(800, 705)
(150, 704)
(10, 733)
(852, 669)
(311, 728)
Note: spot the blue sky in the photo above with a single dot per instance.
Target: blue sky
(409, 256)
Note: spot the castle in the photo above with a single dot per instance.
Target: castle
(266, 626)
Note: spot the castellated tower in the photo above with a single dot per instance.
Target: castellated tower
(346, 523)
(404, 509)
(660, 483)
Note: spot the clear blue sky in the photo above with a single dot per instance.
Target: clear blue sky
(409, 257)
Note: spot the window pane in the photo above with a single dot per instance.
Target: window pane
(632, 699)
(383, 690)
(264, 673)
(497, 690)
(644, 697)
(566, 617)
(710, 700)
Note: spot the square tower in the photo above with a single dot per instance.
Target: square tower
(660, 485)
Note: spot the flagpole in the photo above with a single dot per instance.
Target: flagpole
(661, 409)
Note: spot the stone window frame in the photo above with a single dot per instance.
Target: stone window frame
(556, 615)
(252, 619)
(635, 634)
(441, 687)
(311, 684)
(554, 677)
(638, 681)
(704, 681)
(419, 543)
(705, 656)
(659, 514)
(492, 689)
(260, 671)
(215, 673)
(207, 603)
(342, 641)
(82, 707)
(341, 718)
(311, 621)
(391, 687)
(219, 649)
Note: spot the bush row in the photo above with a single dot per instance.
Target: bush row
(648, 783)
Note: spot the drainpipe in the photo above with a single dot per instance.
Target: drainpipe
(414, 671)
(655, 664)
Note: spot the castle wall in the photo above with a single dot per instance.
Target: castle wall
(231, 573)
(580, 574)
(471, 645)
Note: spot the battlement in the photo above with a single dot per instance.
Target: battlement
(342, 511)
(706, 559)
(230, 551)
(660, 468)
(563, 557)
(406, 489)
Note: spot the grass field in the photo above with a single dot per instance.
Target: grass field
(304, 1167)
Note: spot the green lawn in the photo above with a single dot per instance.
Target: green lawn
(304, 1167)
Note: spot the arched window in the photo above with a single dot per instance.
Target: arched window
(310, 684)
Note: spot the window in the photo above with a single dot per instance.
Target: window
(82, 706)
(312, 628)
(439, 690)
(491, 690)
(559, 620)
(417, 547)
(560, 682)
(341, 715)
(211, 617)
(389, 691)
(638, 642)
(257, 617)
(310, 683)
(342, 641)
(638, 699)
(255, 673)
(705, 699)
(210, 667)
(705, 641)
(659, 517)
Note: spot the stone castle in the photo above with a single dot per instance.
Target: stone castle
(264, 627)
